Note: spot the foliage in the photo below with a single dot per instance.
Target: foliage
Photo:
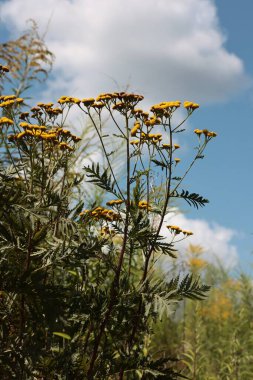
(79, 287)
(213, 339)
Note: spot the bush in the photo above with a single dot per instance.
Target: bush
(80, 289)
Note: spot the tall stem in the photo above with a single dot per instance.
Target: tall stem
(115, 284)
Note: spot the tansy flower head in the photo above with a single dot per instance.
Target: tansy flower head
(6, 120)
(177, 160)
(88, 101)
(135, 142)
(190, 105)
(175, 229)
(114, 202)
(198, 132)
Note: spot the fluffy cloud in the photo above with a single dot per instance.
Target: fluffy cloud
(162, 49)
(216, 240)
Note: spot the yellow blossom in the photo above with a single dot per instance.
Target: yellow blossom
(135, 142)
(198, 131)
(114, 202)
(88, 101)
(174, 229)
(6, 120)
(135, 129)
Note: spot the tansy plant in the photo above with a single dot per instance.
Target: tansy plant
(78, 285)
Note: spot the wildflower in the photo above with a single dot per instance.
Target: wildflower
(177, 160)
(103, 97)
(198, 132)
(175, 229)
(65, 146)
(23, 115)
(9, 97)
(212, 134)
(7, 103)
(99, 105)
(135, 129)
(187, 233)
(176, 146)
(135, 142)
(190, 105)
(88, 101)
(114, 202)
(6, 120)
(166, 146)
(144, 205)
(19, 100)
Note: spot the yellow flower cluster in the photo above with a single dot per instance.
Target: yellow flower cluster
(152, 121)
(41, 132)
(165, 109)
(153, 138)
(168, 146)
(205, 132)
(177, 230)
(136, 128)
(115, 202)
(144, 205)
(6, 120)
(190, 105)
(101, 213)
(9, 100)
(48, 108)
(68, 100)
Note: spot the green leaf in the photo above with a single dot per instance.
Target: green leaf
(191, 198)
(62, 335)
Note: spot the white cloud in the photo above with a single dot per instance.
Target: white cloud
(163, 49)
(215, 239)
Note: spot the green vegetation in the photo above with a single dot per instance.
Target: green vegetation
(81, 292)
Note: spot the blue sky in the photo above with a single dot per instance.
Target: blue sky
(193, 49)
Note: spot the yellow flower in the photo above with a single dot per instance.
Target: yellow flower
(135, 129)
(175, 229)
(9, 97)
(166, 146)
(190, 105)
(99, 105)
(176, 146)
(198, 131)
(177, 160)
(144, 205)
(135, 142)
(65, 146)
(104, 97)
(187, 233)
(114, 202)
(88, 101)
(212, 134)
(19, 100)
(6, 120)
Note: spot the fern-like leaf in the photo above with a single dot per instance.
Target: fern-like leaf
(104, 180)
(191, 198)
